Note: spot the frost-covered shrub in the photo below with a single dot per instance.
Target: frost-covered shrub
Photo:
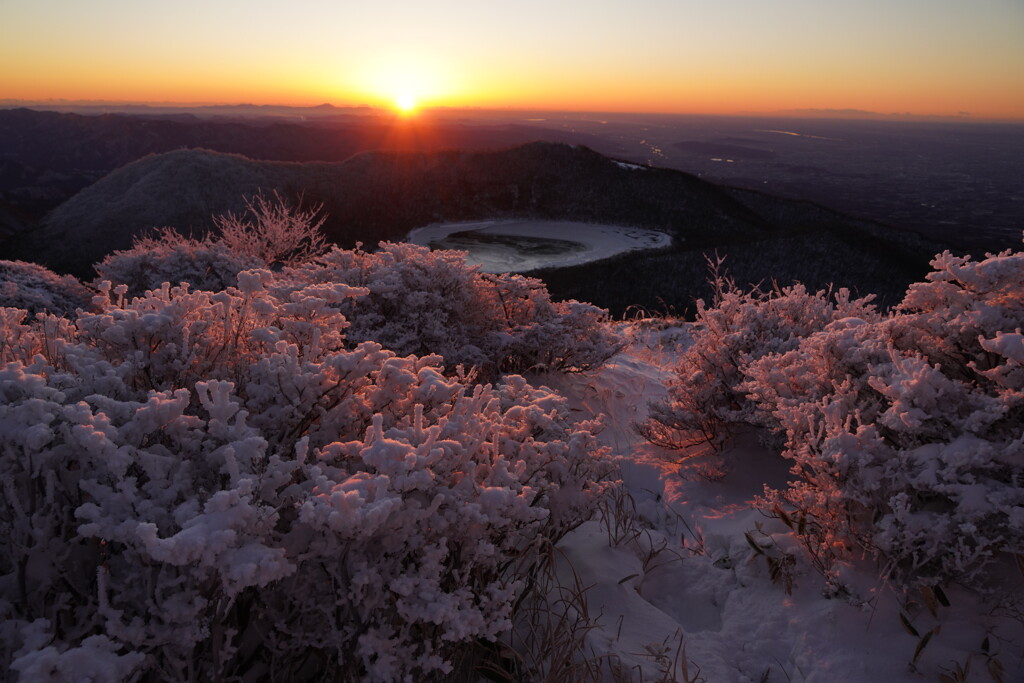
(34, 288)
(416, 301)
(95, 659)
(738, 328)
(175, 337)
(966, 316)
(906, 431)
(271, 233)
(421, 522)
(23, 337)
(208, 485)
(426, 302)
(907, 434)
(168, 256)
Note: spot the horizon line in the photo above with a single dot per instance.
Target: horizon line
(804, 112)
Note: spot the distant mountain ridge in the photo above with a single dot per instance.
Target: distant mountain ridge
(70, 142)
(48, 156)
(377, 196)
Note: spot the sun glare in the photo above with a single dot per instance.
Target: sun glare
(402, 82)
(406, 103)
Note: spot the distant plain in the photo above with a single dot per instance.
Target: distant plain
(955, 181)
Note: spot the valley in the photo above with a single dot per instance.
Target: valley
(381, 195)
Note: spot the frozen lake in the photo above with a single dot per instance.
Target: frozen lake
(514, 246)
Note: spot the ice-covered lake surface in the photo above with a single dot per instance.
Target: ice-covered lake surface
(515, 246)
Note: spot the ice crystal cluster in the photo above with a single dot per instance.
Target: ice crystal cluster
(906, 430)
(208, 485)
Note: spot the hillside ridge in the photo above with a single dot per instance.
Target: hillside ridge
(382, 195)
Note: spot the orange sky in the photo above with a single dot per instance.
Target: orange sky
(928, 57)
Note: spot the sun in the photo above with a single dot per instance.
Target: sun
(406, 103)
(402, 82)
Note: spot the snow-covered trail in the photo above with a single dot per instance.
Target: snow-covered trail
(693, 574)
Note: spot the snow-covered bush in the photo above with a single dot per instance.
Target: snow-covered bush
(23, 337)
(34, 288)
(273, 232)
(270, 233)
(426, 302)
(416, 301)
(205, 485)
(966, 316)
(168, 256)
(907, 433)
(738, 328)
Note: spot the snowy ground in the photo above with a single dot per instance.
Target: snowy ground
(520, 246)
(693, 577)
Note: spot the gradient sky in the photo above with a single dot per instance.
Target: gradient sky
(937, 57)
